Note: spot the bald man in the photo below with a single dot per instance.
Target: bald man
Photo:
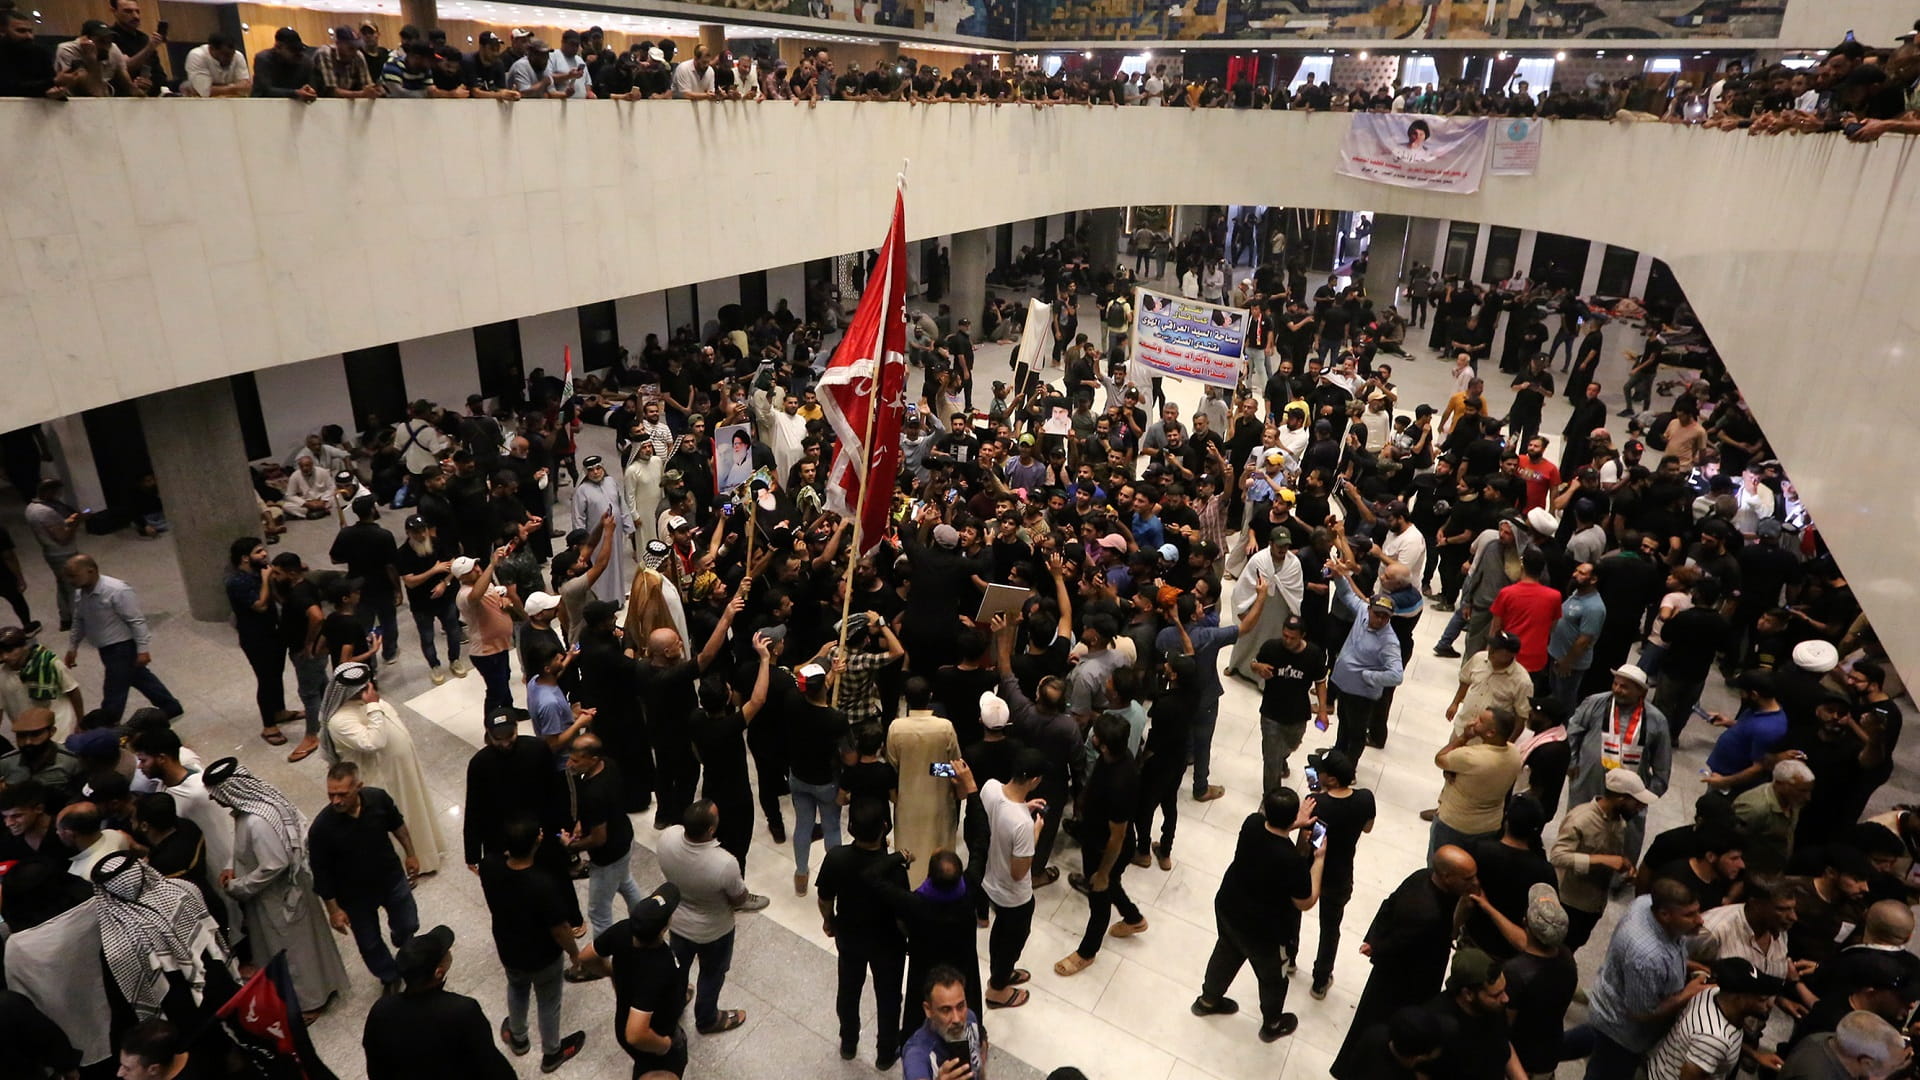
(107, 616)
(1885, 931)
(1409, 943)
(668, 687)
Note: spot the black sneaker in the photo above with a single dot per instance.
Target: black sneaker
(1226, 1006)
(519, 1047)
(569, 1047)
(1280, 1028)
(847, 1053)
(885, 1062)
(1319, 988)
(1447, 651)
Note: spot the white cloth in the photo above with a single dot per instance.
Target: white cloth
(1010, 826)
(302, 487)
(111, 840)
(205, 71)
(420, 443)
(57, 966)
(687, 80)
(590, 500)
(781, 432)
(15, 700)
(191, 801)
(283, 912)
(1285, 589)
(371, 735)
(643, 483)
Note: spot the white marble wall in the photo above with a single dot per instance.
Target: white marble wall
(244, 245)
(440, 368)
(298, 399)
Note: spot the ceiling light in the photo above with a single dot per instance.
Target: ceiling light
(1560, 56)
(1363, 54)
(1629, 56)
(1602, 52)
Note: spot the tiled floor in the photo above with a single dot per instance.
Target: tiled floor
(1124, 1018)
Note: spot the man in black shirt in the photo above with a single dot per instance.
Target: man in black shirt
(424, 566)
(1476, 1001)
(1275, 875)
(300, 618)
(355, 872)
(141, 49)
(854, 912)
(532, 933)
(428, 1030)
(601, 829)
(1293, 671)
(649, 985)
(367, 550)
(1110, 804)
(26, 66)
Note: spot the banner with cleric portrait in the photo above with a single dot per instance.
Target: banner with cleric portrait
(1432, 153)
(1188, 339)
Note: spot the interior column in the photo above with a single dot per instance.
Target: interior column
(200, 463)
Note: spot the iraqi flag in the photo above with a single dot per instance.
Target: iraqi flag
(863, 391)
(264, 1021)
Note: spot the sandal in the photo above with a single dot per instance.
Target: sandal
(1014, 1000)
(1020, 975)
(272, 737)
(304, 750)
(727, 1020)
(1046, 877)
(1071, 964)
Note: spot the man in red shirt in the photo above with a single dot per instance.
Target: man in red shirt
(1527, 610)
(1541, 475)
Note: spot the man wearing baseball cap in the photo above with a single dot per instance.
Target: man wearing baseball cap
(1369, 662)
(428, 1029)
(649, 985)
(1541, 979)
(1475, 1000)
(424, 564)
(1590, 852)
(1619, 729)
(1705, 1041)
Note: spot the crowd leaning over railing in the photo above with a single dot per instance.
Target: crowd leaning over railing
(1862, 91)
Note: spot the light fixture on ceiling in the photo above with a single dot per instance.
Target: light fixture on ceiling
(1629, 56)
(244, 28)
(1602, 52)
(1560, 56)
(1087, 55)
(1363, 54)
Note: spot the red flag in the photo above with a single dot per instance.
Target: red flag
(866, 426)
(265, 1022)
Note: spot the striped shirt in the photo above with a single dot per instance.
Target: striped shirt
(1702, 1037)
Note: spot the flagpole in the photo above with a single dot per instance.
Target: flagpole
(866, 447)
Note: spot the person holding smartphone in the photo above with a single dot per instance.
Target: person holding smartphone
(1346, 812)
(952, 1044)
(1276, 873)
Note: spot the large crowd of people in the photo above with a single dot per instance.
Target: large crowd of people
(1001, 698)
(1861, 91)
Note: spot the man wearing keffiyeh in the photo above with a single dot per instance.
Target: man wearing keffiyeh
(273, 881)
(31, 676)
(162, 946)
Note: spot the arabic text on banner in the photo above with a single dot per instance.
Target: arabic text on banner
(1433, 153)
(1188, 339)
(1516, 146)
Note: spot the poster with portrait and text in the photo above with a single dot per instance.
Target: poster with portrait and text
(1188, 339)
(1516, 146)
(1432, 153)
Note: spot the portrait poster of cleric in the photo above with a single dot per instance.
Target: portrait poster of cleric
(1434, 153)
(1188, 339)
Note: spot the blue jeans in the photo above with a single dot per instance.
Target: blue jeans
(1606, 1059)
(1650, 657)
(403, 919)
(310, 676)
(605, 881)
(1566, 689)
(497, 671)
(1201, 740)
(1443, 834)
(716, 957)
(125, 672)
(810, 800)
(1455, 623)
(545, 984)
(447, 614)
(385, 615)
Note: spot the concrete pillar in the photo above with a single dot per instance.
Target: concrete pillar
(1423, 238)
(1642, 273)
(1590, 277)
(1103, 238)
(969, 258)
(424, 14)
(1480, 252)
(1386, 254)
(200, 462)
(714, 38)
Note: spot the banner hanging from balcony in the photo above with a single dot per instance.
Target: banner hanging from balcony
(1188, 339)
(1516, 146)
(1433, 153)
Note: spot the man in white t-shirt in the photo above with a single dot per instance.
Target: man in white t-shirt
(217, 69)
(693, 79)
(711, 890)
(568, 69)
(1014, 822)
(1154, 87)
